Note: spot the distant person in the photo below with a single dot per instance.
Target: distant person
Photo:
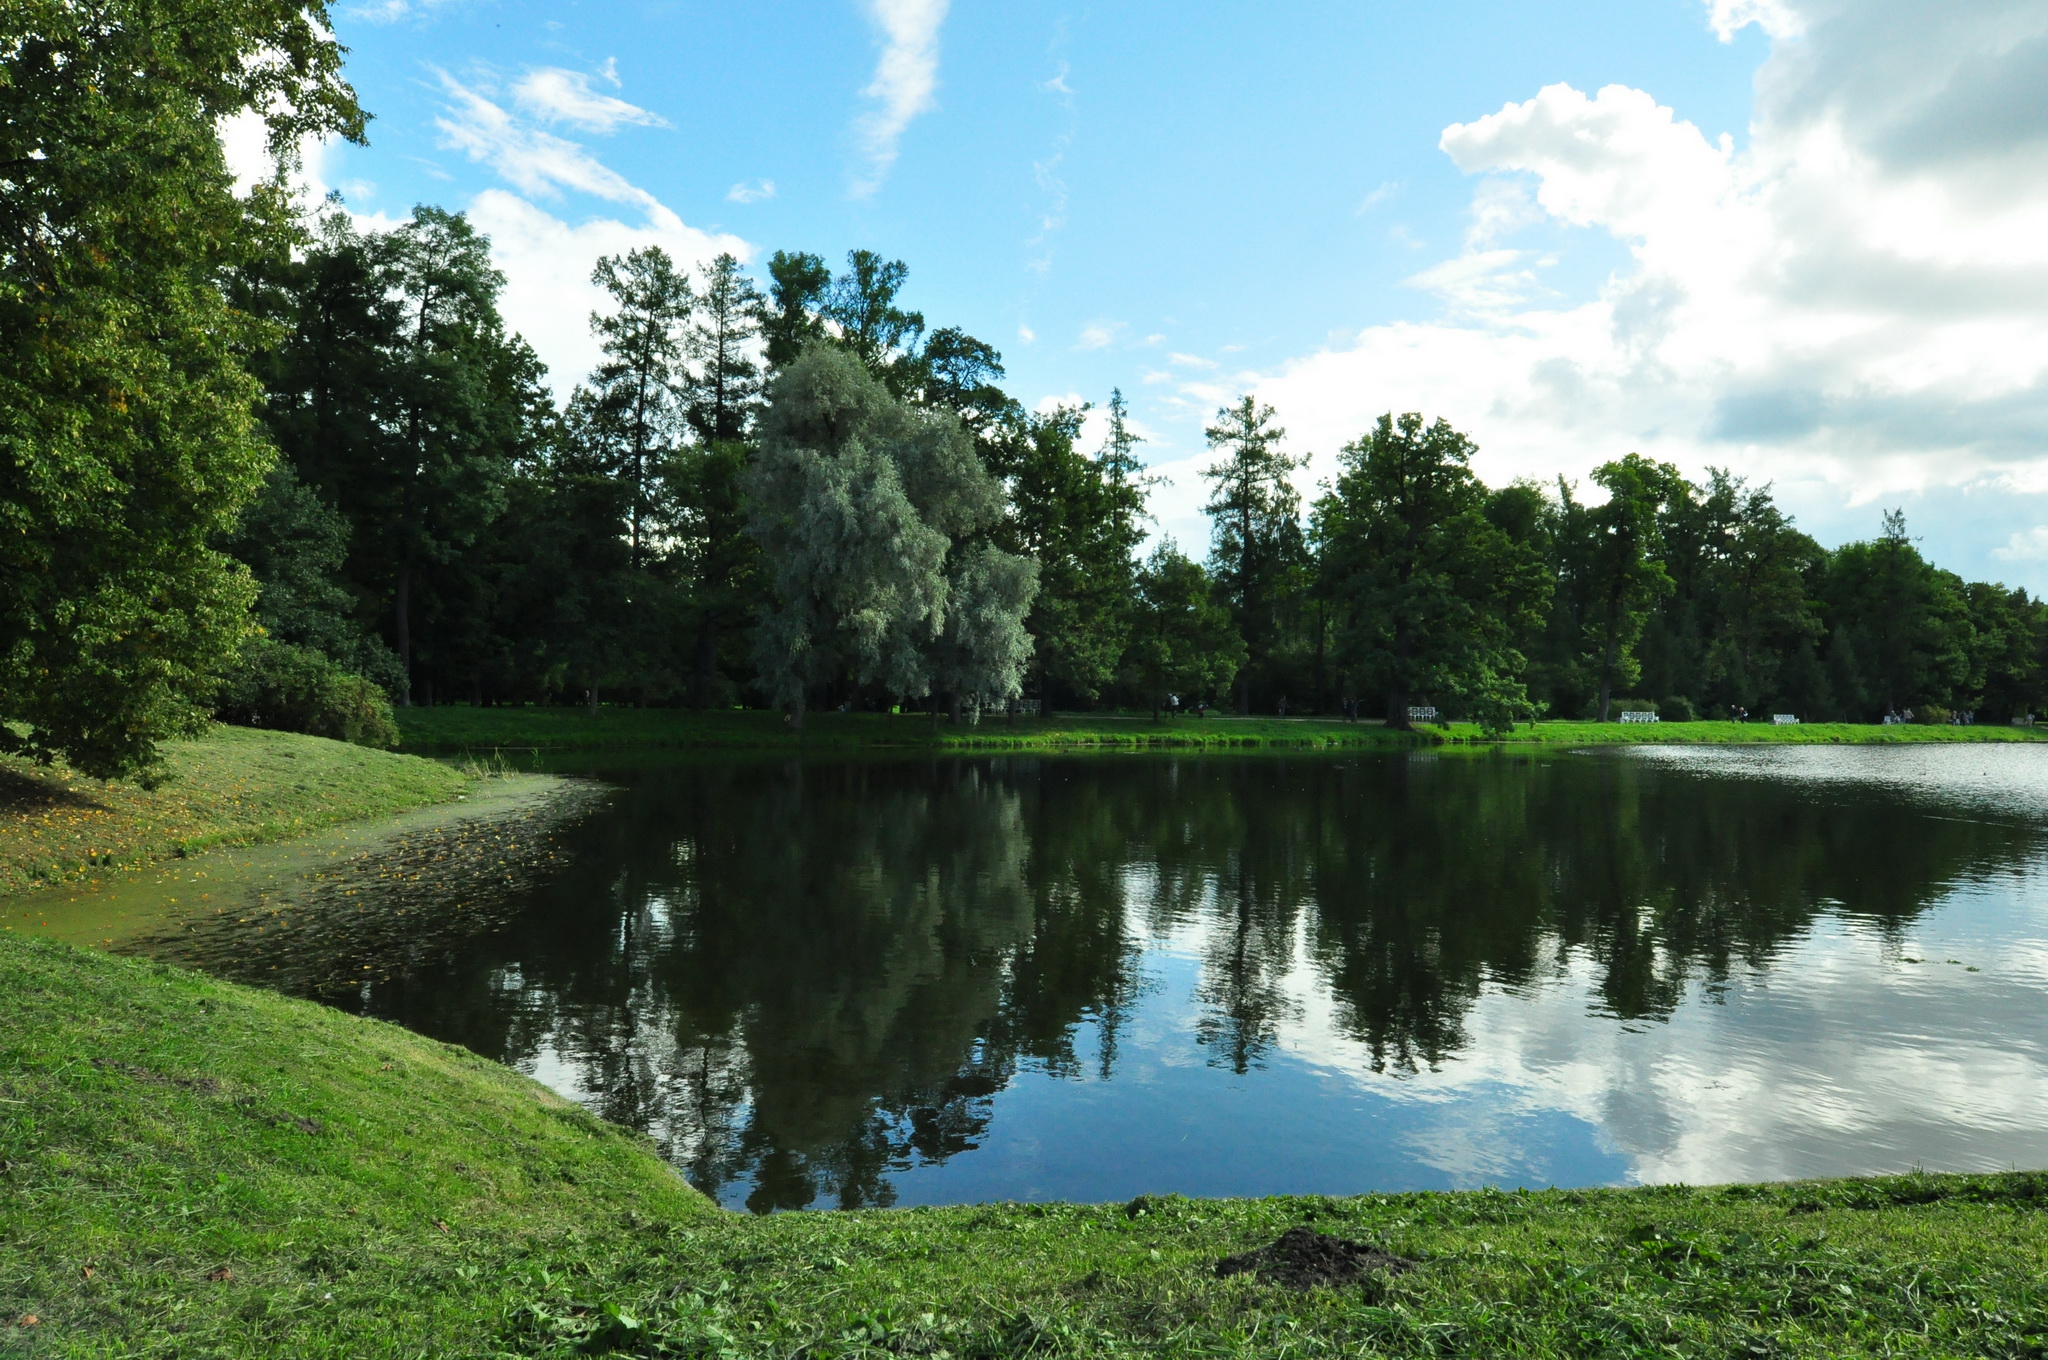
(1283, 705)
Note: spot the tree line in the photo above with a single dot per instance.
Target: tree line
(799, 496)
(284, 470)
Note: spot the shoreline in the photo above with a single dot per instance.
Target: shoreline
(197, 1167)
(475, 731)
(233, 786)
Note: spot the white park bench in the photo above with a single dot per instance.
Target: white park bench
(1422, 713)
(1784, 719)
(1638, 715)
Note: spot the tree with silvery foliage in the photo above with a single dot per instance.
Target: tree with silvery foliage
(871, 514)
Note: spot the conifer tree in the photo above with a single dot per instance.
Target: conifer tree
(1256, 543)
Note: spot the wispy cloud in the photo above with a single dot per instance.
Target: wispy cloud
(389, 11)
(751, 192)
(905, 81)
(1026, 334)
(537, 163)
(1098, 335)
(1378, 196)
(558, 96)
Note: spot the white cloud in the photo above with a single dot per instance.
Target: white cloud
(1098, 334)
(538, 163)
(905, 81)
(390, 11)
(1855, 305)
(547, 262)
(1026, 334)
(2030, 546)
(751, 192)
(1190, 360)
(558, 96)
(1378, 196)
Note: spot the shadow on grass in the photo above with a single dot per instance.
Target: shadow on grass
(25, 791)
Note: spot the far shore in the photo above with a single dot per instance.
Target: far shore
(457, 730)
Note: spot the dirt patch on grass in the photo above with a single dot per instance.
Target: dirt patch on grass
(1303, 1258)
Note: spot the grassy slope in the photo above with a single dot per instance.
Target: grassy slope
(246, 1175)
(233, 786)
(476, 729)
(160, 1132)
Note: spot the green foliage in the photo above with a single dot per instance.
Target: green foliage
(865, 508)
(790, 320)
(726, 387)
(634, 418)
(1433, 593)
(1182, 637)
(1257, 550)
(127, 442)
(295, 545)
(296, 689)
(1079, 519)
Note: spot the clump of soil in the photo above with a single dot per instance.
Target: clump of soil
(1306, 1259)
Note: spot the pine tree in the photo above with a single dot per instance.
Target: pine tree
(797, 282)
(640, 387)
(1256, 538)
(727, 383)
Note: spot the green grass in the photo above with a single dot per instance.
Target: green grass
(447, 730)
(1734, 733)
(193, 1169)
(233, 786)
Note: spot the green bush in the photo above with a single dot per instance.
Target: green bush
(1677, 708)
(296, 689)
(1934, 715)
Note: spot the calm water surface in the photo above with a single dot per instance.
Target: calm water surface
(907, 982)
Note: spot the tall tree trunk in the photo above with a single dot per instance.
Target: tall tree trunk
(1611, 654)
(402, 621)
(593, 696)
(707, 660)
(795, 716)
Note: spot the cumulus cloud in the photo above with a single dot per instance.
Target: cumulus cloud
(2028, 546)
(1855, 304)
(905, 82)
(547, 262)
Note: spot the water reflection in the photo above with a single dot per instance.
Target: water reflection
(841, 983)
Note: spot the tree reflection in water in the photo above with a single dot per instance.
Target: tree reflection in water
(803, 977)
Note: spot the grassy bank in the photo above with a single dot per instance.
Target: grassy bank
(232, 786)
(1737, 734)
(193, 1169)
(451, 730)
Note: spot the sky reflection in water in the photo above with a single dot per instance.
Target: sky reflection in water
(1022, 978)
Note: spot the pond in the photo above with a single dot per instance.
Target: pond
(897, 981)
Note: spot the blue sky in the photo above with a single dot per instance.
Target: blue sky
(1799, 238)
